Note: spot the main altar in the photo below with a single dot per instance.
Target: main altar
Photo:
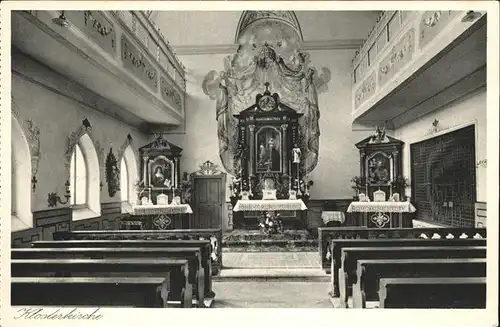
(272, 180)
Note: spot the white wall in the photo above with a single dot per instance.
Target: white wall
(57, 116)
(469, 110)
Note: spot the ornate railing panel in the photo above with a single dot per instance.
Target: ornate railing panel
(130, 41)
(399, 39)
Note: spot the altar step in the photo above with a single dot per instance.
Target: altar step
(256, 241)
(275, 274)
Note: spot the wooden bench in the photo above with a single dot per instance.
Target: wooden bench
(214, 235)
(193, 255)
(350, 257)
(433, 293)
(369, 273)
(176, 269)
(203, 245)
(336, 247)
(326, 234)
(144, 292)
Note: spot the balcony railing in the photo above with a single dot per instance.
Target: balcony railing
(121, 55)
(399, 45)
(139, 24)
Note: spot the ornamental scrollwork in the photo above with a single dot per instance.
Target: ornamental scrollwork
(97, 25)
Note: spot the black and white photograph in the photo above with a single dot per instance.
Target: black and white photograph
(230, 157)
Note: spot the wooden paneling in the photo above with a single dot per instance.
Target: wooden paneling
(46, 222)
(480, 214)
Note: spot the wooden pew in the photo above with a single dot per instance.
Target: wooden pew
(193, 255)
(350, 257)
(433, 293)
(204, 245)
(369, 273)
(214, 235)
(177, 270)
(144, 292)
(336, 247)
(326, 234)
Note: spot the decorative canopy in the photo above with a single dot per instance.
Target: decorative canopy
(269, 52)
(160, 146)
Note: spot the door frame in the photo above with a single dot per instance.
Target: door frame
(210, 170)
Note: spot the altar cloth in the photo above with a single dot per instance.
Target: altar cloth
(148, 209)
(269, 205)
(394, 207)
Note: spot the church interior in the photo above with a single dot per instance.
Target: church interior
(248, 159)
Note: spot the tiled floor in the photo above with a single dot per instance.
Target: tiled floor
(271, 260)
(274, 294)
(271, 280)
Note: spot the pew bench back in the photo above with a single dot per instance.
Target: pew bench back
(433, 293)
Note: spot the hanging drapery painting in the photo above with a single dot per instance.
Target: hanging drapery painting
(269, 52)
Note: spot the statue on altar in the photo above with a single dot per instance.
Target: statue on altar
(296, 154)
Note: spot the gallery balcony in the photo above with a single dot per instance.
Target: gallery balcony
(120, 55)
(414, 62)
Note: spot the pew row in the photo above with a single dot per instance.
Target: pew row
(350, 257)
(213, 235)
(433, 293)
(203, 245)
(176, 269)
(193, 255)
(369, 273)
(336, 247)
(326, 234)
(144, 292)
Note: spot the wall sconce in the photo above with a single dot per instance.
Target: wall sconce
(61, 20)
(100, 186)
(53, 199)
(470, 16)
(33, 183)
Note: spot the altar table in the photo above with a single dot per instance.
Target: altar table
(382, 213)
(269, 205)
(159, 217)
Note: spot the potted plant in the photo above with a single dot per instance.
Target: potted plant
(358, 184)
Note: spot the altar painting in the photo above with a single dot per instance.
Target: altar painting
(162, 173)
(268, 150)
(379, 167)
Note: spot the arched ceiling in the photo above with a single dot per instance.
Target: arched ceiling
(198, 28)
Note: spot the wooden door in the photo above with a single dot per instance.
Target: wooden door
(208, 201)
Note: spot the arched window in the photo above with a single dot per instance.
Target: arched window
(84, 179)
(124, 180)
(21, 216)
(78, 178)
(128, 179)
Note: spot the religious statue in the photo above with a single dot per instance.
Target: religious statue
(296, 154)
(379, 136)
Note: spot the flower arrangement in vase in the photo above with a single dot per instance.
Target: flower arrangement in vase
(399, 184)
(271, 223)
(358, 184)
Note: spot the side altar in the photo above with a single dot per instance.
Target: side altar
(160, 205)
(270, 162)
